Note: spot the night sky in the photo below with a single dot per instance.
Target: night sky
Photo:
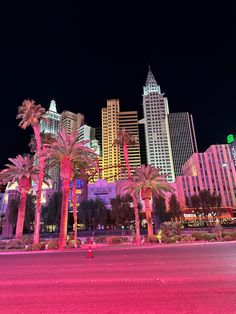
(83, 55)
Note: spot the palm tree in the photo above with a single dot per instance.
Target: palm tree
(22, 171)
(147, 181)
(66, 151)
(130, 188)
(30, 115)
(84, 169)
(125, 139)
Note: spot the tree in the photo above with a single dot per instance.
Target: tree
(22, 171)
(130, 189)
(92, 213)
(174, 207)
(125, 139)
(30, 115)
(122, 209)
(147, 181)
(66, 151)
(51, 213)
(187, 202)
(159, 206)
(195, 202)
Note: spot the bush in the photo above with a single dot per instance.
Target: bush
(170, 240)
(101, 239)
(115, 240)
(203, 236)
(228, 238)
(38, 246)
(152, 239)
(74, 243)
(186, 239)
(226, 233)
(3, 245)
(233, 235)
(15, 244)
(178, 238)
(53, 244)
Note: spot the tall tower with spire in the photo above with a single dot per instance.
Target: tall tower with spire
(156, 109)
(51, 124)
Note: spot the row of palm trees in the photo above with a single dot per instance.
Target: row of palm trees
(75, 160)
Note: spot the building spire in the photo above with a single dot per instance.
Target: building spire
(151, 83)
(52, 106)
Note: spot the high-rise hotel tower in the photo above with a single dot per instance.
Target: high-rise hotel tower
(113, 120)
(155, 108)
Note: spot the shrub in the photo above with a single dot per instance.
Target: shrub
(185, 239)
(74, 243)
(233, 235)
(101, 239)
(178, 238)
(115, 240)
(38, 246)
(53, 244)
(27, 239)
(170, 240)
(226, 233)
(152, 239)
(199, 236)
(15, 244)
(228, 238)
(3, 245)
(125, 239)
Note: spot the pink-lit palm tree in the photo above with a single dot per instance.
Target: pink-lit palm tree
(31, 114)
(147, 181)
(66, 151)
(22, 171)
(125, 139)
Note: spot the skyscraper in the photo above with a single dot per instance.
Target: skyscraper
(113, 120)
(52, 121)
(155, 109)
(182, 138)
(87, 133)
(71, 121)
(142, 142)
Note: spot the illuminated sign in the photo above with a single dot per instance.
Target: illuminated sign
(230, 138)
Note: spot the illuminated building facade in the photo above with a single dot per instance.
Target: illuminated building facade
(113, 120)
(213, 170)
(87, 133)
(52, 121)
(182, 138)
(71, 121)
(155, 109)
(102, 190)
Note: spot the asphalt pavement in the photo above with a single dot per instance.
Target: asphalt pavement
(198, 278)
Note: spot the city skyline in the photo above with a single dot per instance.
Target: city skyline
(80, 61)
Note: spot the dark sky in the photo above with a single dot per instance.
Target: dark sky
(81, 55)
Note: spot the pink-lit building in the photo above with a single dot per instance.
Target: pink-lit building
(213, 170)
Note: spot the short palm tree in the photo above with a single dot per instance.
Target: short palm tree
(30, 114)
(125, 139)
(22, 171)
(66, 151)
(147, 181)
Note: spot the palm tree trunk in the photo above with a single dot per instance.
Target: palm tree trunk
(126, 156)
(137, 221)
(66, 174)
(21, 215)
(40, 183)
(74, 209)
(148, 216)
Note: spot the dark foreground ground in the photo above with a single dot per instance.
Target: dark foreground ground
(196, 278)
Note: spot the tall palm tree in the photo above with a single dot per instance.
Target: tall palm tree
(30, 115)
(125, 139)
(66, 151)
(22, 171)
(147, 181)
(129, 188)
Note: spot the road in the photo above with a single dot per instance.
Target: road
(197, 278)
